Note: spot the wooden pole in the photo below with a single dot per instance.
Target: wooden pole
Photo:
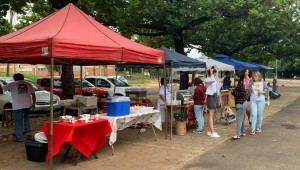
(51, 114)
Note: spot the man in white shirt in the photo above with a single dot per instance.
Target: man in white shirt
(161, 99)
(23, 99)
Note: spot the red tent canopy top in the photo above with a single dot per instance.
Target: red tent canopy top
(72, 37)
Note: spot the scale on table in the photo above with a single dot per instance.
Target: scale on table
(184, 96)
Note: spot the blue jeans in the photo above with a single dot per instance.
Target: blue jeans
(18, 121)
(198, 109)
(240, 117)
(257, 109)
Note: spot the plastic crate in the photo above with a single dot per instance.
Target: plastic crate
(36, 151)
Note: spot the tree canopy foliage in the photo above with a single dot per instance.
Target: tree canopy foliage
(259, 31)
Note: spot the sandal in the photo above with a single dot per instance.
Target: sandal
(236, 137)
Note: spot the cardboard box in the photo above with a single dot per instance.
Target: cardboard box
(86, 100)
(66, 102)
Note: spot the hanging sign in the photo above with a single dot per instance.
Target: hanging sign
(44, 51)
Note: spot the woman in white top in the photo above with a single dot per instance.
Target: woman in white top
(212, 92)
(161, 99)
(257, 102)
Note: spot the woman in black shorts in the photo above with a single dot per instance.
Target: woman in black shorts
(212, 92)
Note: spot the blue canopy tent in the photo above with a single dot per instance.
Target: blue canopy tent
(263, 69)
(173, 59)
(179, 60)
(238, 65)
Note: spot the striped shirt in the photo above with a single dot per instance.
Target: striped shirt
(239, 93)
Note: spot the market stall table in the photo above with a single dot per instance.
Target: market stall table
(82, 136)
(121, 122)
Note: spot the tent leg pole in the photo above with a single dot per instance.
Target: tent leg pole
(81, 80)
(116, 72)
(165, 97)
(51, 114)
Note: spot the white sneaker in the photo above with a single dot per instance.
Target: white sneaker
(214, 135)
(258, 130)
(208, 133)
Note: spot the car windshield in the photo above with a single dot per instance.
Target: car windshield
(77, 83)
(118, 83)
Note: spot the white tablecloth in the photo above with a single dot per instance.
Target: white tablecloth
(122, 122)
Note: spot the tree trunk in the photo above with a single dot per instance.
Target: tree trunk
(67, 79)
(179, 47)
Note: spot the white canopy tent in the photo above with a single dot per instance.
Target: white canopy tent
(218, 65)
(195, 54)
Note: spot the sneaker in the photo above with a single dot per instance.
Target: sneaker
(197, 131)
(243, 134)
(208, 133)
(214, 135)
(252, 132)
(258, 130)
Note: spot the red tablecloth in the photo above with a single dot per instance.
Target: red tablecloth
(87, 138)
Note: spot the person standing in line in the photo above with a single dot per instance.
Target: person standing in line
(226, 81)
(239, 94)
(199, 102)
(212, 92)
(23, 99)
(161, 98)
(257, 102)
(247, 74)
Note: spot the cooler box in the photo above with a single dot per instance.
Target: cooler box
(36, 151)
(118, 106)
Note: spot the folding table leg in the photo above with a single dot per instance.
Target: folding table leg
(77, 159)
(154, 132)
(95, 156)
(67, 153)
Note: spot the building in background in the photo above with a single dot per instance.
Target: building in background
(42, 71)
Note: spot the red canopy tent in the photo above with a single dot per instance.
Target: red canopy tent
(69, 36)
(72, 37)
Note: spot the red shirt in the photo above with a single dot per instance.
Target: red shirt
(199, 95)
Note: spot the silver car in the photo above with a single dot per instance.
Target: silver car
(42, 97)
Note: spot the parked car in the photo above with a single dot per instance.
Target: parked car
(42, 98)
(109, 84)
(88, 89)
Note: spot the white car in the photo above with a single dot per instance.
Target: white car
(42, 97)
(108, 83)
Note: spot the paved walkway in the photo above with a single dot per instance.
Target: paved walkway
(133, 153)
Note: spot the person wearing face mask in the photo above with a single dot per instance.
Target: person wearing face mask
(212, 91)
(257, 102)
